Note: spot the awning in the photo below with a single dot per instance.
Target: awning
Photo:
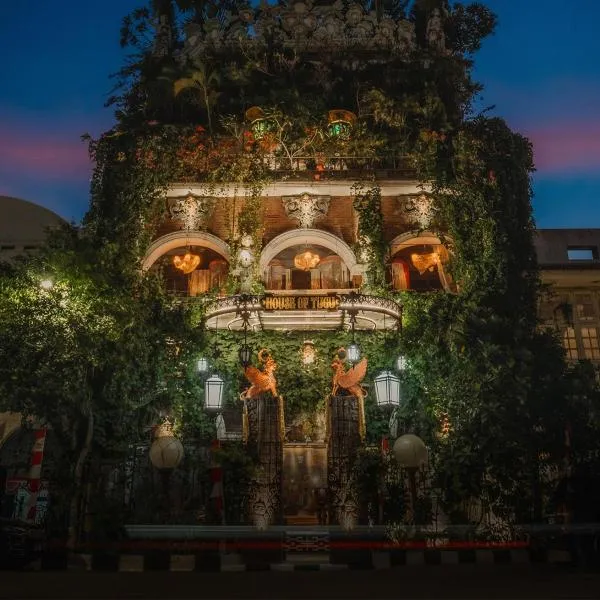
(304, 310)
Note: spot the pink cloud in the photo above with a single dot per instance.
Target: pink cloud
(566, 147)
(57, 154)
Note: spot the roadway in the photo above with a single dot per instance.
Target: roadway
(456, 581)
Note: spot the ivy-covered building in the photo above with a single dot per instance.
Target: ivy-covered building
(308, 186)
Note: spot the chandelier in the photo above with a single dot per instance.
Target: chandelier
(307, 260)
(187, 263)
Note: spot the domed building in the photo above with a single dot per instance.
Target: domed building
(24, 226)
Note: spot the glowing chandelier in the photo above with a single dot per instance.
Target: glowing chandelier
(186, 263)
(306, 260)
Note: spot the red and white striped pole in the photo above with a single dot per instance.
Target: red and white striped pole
(35, 472)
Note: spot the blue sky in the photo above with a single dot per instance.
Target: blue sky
(540, 70)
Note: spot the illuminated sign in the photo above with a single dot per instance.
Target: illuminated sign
(300, 302)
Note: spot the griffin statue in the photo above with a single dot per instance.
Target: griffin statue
(262, 381)
(350, 381)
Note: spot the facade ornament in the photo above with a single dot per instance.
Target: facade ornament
(385, 34)
(419, 209)
(407, 37)
(435, 32)
(261, 381)
(306, 209)
(193, 211)
(164, 37)
(350, 381)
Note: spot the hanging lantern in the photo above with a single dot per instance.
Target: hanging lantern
(245, 355)
(166, 451)
(340, 123)
(213, 393)
(202, 365)
(259, 125)
(410, 451)
(401, 363)
(186, 263)
(309, 354)
(306, 260)
(387, 389)
(353, 353)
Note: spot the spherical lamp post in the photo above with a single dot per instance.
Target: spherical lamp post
(411, 453)
(166, 453)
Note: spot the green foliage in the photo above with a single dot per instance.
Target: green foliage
(475, 356)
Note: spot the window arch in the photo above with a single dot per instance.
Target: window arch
(309, 259)
(193, 262)
(419, 262)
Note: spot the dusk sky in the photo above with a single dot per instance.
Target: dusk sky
(540, 70)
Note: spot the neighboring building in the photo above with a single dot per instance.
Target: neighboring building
(23, 226)
(570, 267)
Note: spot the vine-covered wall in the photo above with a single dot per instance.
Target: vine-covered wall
(475, 358)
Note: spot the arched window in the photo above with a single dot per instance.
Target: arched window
(307, 267)
(193, 270)
(192, 262)
(420, 264)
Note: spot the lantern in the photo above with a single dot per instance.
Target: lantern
(341, 123)
(245, 355)
(166, 451)
(202, 365)
(410, 451)
(308, 353)
(353, 352)
(246, 258)
(387, 389)
(306, 260)
(401, 363)
(213, 393)
(186, 263)
(46, 284)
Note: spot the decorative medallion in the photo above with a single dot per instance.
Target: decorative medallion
(306, 209)
(419, 209)
(193, 211)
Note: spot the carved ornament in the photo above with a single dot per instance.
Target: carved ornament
(306, 209)
(193, 211)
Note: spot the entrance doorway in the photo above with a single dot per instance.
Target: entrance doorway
(305, 484)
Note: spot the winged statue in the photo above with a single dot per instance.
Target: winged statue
(350, 381)
(261, 381)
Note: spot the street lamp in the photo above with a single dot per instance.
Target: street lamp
(401, 363)
(245, 352)
(411, 453)
(353, 351)
(213, 393)
(202, 365)
(387, 389)
(166, 451)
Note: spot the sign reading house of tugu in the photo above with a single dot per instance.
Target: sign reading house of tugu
(300, 302)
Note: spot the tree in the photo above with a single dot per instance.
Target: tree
(85, 355)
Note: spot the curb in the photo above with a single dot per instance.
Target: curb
(375, 560)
